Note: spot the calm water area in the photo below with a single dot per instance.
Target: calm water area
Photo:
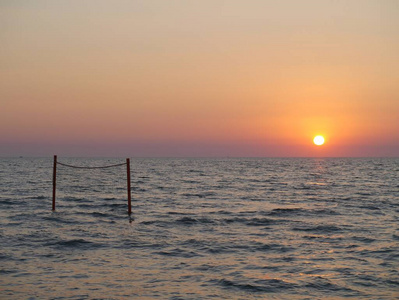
(244, 228)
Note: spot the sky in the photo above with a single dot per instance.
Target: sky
(253, 78)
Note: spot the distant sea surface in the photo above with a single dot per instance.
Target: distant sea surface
(201, 229)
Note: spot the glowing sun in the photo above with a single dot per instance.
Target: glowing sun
(318, 140)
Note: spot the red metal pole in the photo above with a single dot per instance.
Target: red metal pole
(129, 197)
(54, 179)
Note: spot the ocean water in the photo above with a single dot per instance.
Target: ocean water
(201, 229)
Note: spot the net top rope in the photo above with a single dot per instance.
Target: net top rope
(102, 167)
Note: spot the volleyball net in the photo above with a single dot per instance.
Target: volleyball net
(127, 164)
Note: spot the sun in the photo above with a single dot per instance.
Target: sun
(318, 140)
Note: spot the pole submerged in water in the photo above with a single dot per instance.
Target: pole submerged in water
(129, 197)
(54, 179)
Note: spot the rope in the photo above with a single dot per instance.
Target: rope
(104, 167)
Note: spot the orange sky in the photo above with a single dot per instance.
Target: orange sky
(199, 78)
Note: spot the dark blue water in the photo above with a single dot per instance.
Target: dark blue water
(202, 229)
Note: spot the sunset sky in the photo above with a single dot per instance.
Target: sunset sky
(199, 78)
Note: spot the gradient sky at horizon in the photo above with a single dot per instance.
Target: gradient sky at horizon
(199, 78)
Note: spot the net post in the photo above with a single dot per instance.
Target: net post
(54, 179)
(129, 197)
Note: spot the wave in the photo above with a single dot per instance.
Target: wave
(178, 213)
(370, 207)
(130, 243)
(251, 221)
(198, 195)
(214, 247)
(272, 247)
(363, 239)
(285, 211)
(58, 219)
(187, 221)
(95, 214)
(7, 272)
(301, 211)
(177, 252)
(7, 202)
(268, 286)
(5, 256)
(325, 285)
(180, 221)
(319, 229)
(75, 244)
(190, 220)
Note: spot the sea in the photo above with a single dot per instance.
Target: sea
(200, 228)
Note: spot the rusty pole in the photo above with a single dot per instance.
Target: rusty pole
(129, 197)
(54, 179)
